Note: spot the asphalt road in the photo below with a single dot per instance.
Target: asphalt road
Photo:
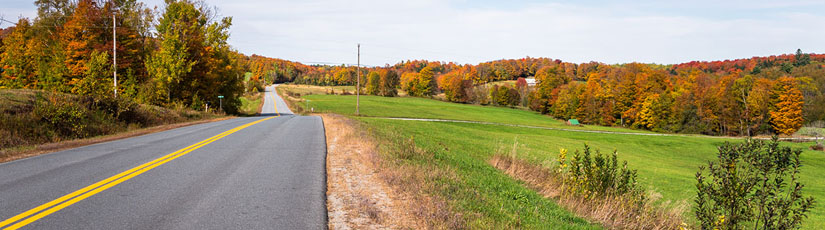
(268, 175)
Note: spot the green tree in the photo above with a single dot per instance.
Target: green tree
(801, 59)
(373, 83)
(97, 80)
(173, 60)
(425, 86)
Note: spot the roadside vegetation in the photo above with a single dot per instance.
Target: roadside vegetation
(251, 104)
(32, 117)
(665, 165)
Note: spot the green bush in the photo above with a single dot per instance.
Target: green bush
(599, 175)
(62, 115)
(752, 185)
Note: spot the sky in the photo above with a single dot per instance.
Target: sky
(469, 32)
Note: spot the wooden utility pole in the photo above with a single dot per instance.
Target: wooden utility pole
(114, 50)
(358, 81)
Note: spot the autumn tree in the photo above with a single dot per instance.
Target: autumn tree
(373, 83)
(759, 104)
(18, 65)
(567, 101)
(81, 35)
(455, 87)
(787, 115)
(388, 82)
(425, 84)
(549, 80)
(409, 82)
(521, 86)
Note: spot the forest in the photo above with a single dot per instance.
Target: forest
(175, 56)
(741, 97)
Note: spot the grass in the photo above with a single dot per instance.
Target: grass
(666, 164)
(251, 104)
(312, 89)
(414, 107)
(486, 198)
(811, 132)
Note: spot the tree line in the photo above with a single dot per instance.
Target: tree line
(174, 56)
(759, 95)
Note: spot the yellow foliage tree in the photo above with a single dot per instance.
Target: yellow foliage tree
(787, 115)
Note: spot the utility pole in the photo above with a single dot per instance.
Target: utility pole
(358, 81)
(114, 50)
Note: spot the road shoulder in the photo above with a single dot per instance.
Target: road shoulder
(357, 197)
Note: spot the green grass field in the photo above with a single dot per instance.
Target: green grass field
(666, 164)
(414, 107)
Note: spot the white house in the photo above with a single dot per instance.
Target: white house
(531, 81)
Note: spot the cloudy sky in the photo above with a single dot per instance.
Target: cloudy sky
(464, 31)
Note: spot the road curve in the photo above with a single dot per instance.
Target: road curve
(221, 175)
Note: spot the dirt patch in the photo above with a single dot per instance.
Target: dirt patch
(357, 195)
(7, 155)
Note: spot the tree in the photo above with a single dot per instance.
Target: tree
(455, 87)
(409, 82)
(549, 78)
(172, 61)
(388, 82)
(801, 59)
(373, 83)
(425, 86)
(787, 115)
(82, 36)
(18, 66)
(97, 80)
(567, 101)
(521, 85)
(759, 104)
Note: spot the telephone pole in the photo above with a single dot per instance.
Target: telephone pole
(114, 50)
(358, 81)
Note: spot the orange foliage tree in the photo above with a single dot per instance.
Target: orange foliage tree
(787, 116)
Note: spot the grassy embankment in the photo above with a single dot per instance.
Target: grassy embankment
(666, 164)
(251, 104)
(29, 119)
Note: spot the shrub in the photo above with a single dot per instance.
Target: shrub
(818, 147)
(599, 175)
(62, 115)
(752, 185)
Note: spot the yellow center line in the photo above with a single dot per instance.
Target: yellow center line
(107, 183)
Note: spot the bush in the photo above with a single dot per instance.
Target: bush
(818, 147)
(599, 176)
(752, 185)
(63, 116)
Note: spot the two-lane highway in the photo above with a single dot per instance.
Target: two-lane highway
(246, 173)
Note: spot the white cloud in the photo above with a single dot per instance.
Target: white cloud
(471, 32)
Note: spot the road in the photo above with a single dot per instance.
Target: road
(264, 172)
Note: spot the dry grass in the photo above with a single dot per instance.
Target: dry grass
(11, 154)
(368, 190)
(357, 198)
(291, 102)
(612, 212)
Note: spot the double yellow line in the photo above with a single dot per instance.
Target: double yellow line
(41, 211)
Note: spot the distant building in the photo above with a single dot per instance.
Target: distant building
(531, 81)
